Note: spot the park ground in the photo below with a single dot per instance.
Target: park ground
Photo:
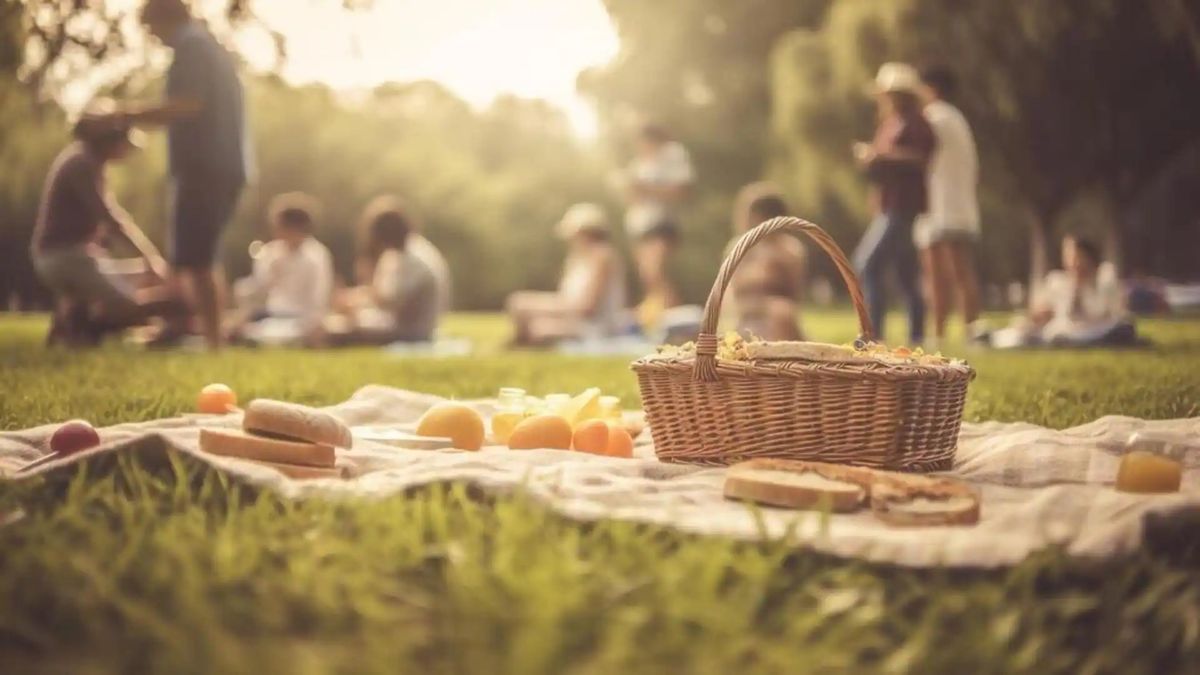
(129, 571)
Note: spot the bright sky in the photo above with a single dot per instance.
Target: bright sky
(477, 48)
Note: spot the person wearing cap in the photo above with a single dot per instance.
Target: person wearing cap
(590, 301)
(397, 296)
(947, 233)
(76, 217)
(208, 152)
(895, 162)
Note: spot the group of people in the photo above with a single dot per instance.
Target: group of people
(921, 164)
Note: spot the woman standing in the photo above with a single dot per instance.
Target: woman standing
(895, 163)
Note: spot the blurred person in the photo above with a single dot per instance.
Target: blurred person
(948, 233)
(397, 296)
(77, 216)
(658, 181)
(765, 290)
(1080, 305)
(895, 162)
(208, 153)
(288, 293)
(590, 300)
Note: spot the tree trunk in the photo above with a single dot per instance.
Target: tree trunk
(1039, 257)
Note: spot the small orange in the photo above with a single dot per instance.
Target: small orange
(620, 443)
(460, 423)
(216, 399)
(541, 431)
(591, 436)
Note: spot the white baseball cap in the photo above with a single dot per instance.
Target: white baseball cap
(895, 76)
(582, 217)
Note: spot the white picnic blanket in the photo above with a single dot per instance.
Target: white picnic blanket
(1039, 486)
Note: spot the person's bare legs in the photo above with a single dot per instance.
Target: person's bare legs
(936, 286)
(526, 308)
(206, 292)
(961, 261)
(783, 319)
(652, 254)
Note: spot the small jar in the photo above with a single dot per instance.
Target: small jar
(510, 410)
(1151, 464)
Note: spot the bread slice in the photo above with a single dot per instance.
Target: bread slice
(294, 422)
(920, 501)
(298, 472)
(235, 443)
(795, 484)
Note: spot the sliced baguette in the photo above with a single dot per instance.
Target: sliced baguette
(295, 422)
(235, 443)
(795, 484)
(809, 351)
(920, 501)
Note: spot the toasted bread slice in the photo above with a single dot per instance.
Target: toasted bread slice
(795, 484)
(294, 422)
(234, 443)
(919, 501)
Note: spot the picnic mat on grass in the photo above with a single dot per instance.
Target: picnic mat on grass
(1039, 486)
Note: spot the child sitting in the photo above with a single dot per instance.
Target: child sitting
(397, 299)
(764, 293)
(287, 296)
(1079, 305)
(590, 300)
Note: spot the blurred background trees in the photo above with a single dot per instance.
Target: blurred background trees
(1086, 113)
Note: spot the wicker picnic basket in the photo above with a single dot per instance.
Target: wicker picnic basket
(705, 410)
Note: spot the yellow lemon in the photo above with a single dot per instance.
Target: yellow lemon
(541, 431)
(462, 425)
(585, 406)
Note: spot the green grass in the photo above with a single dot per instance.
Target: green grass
(123, 569)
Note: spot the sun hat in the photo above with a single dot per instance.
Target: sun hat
(582, 217)
(895, 76)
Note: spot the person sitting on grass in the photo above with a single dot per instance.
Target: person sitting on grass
(1077, 306)
(77, 217)
(590, 301)
(766, 289)
(289, 291)
(397, 299)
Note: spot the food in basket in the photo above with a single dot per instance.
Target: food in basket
(734, 347)
(914, 501)
(795, 484)
(455, 421)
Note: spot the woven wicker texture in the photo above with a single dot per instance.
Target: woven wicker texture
(705, 410)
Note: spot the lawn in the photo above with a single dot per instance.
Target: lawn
(126, 571)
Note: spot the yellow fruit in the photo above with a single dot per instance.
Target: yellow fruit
(620, 443)
(541, 431)
(216, 399)
(585, 406)
(462, 425)
(591, 436)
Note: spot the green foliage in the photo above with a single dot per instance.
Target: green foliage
(128, 568)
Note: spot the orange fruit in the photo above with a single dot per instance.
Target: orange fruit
(460, 423)
(591, 436)
(541, 431)
(216, 399)
(620, 443)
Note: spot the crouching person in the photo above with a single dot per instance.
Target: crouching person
(287, 296)
(77, 219)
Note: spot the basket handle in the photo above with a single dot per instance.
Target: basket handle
(705, 368)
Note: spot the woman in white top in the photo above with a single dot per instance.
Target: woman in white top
(287, 295)
(948, 232)
(1079, 305)
(397, 299)
(590, 300)
(659, 180)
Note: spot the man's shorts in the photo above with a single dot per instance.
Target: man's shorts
(200, 208)
(75, 274)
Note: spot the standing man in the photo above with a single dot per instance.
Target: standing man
(206, 134)
(948, 232)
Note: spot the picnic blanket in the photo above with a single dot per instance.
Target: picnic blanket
(1040, 487)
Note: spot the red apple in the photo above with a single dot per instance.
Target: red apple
(73, 437)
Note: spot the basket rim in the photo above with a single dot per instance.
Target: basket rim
(796, 368)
